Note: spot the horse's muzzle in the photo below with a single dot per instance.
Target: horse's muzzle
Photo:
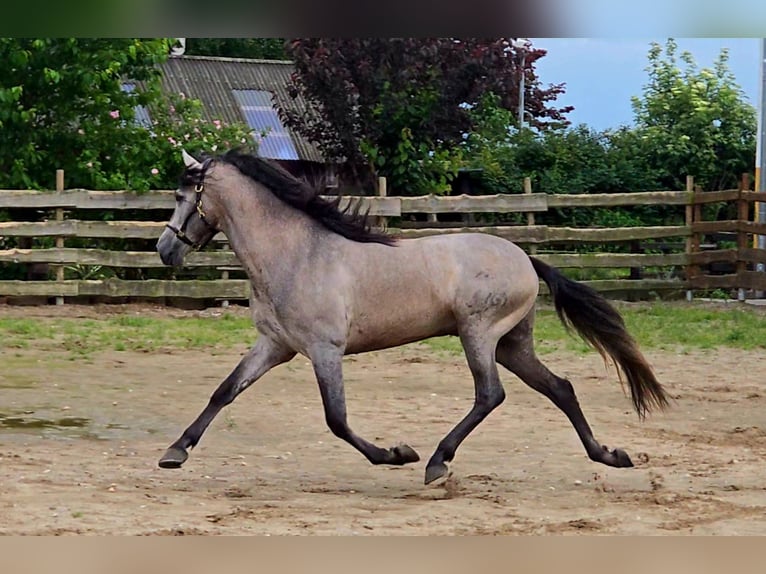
(170, 249)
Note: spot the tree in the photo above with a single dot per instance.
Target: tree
(64, 104)
(695, 121)
(260, 48)
(559, 161)
(571, 160)
(400, 107)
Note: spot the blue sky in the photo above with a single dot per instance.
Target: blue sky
(601, 74)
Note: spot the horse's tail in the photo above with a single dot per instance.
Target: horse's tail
(598, 322)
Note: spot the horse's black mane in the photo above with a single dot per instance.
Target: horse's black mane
(348, 222)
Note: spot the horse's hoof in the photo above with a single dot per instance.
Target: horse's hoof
(174, 457)
(621, 458)
(435, 471)
(405, 454)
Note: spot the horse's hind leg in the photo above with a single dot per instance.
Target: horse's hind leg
(489, 393)
(328, 367)
(516, 353)
(264, 355)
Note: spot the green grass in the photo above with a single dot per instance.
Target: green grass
(85, 336)
(677, 327)
(702, 325)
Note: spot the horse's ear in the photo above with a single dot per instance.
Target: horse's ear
(189, 161)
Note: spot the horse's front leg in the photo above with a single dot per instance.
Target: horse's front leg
(264, 355)
(328, 367)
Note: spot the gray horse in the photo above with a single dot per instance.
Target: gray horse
(325, 285)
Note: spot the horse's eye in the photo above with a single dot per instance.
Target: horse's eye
(179, 198)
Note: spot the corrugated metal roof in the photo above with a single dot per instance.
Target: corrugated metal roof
(212, 79)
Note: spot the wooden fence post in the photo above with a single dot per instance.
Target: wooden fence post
(690, 239)
(382, 192)
(59, 240)
(743, 209)
(225, 274)
(530, 214)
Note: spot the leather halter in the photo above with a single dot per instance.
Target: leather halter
(181, 232)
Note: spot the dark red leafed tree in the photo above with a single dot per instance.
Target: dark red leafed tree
(400, 106)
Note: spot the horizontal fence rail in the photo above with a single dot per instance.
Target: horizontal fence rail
(386, 206)
(680, 250)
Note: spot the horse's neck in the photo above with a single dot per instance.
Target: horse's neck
(268, 236)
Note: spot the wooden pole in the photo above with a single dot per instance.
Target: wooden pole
(757, 206)
(59, 240)
(432, 217)
(382, 192)
(690, 243)
(225, 274)
(530, 214)
(760, 160)
(742, 216)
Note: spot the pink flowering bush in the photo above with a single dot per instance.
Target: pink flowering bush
(149, 156)
(64, 105)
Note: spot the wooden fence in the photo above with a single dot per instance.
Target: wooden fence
(682, 263)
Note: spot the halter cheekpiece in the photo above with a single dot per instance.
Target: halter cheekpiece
(181, 232)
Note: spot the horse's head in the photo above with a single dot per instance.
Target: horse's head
(191, 226)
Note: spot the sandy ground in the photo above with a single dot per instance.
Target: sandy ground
(80, 439)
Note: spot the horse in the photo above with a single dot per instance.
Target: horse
(325, 284)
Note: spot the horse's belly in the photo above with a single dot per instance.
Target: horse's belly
(397, 328)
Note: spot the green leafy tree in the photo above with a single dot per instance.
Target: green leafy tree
(64, 105)
(260, 48)
(560, 161)
(694, 121)
(400, 107)
(571, 160)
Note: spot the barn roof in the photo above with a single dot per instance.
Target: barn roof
(213, 79)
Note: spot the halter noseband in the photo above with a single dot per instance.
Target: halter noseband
(181, 233)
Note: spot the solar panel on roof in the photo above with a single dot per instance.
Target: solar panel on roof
(141, 113)
(259, 113)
